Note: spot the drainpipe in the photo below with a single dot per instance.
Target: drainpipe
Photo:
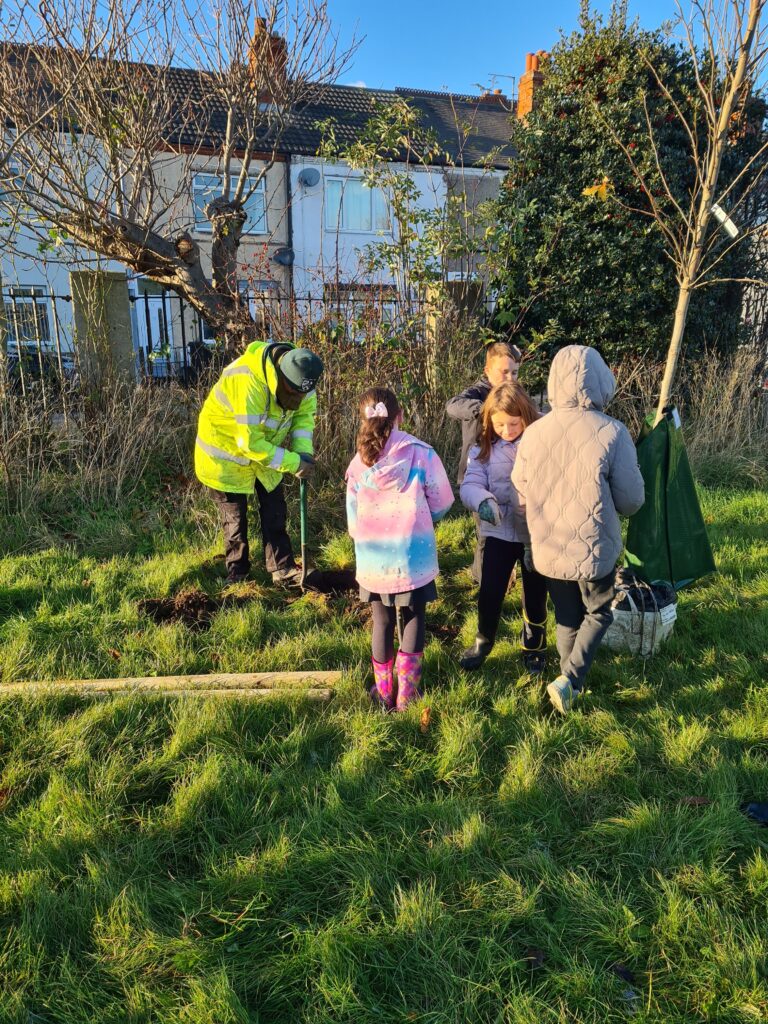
(289, 221)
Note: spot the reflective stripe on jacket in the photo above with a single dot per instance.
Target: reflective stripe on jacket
(243, 435)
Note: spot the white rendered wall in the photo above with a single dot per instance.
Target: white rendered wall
(329, 255)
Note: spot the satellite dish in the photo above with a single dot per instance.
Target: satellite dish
(284, 256)
(309, 177)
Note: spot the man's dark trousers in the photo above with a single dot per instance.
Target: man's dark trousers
(233, 511)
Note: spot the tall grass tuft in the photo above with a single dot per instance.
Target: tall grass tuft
(723, 408)
(728, 439)
(64, 464)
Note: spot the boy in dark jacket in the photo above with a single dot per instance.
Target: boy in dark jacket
(502, 364)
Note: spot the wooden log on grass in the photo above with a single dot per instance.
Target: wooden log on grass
(255, 684)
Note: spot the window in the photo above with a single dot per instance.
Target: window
(350, 205)
(206, 187)
(26, 318)
(207, 333)
(258, 296)
(11, 184)
(363, 309)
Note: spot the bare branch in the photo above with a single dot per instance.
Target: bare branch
(112, 106)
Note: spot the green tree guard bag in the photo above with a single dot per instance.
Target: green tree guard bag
(667, 540)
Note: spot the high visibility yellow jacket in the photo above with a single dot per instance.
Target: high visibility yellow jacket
(243, 435)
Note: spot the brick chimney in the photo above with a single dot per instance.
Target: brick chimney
(267, 60)
(530, 83)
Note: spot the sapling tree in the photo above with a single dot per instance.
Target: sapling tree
(728, 49)
(429, 226)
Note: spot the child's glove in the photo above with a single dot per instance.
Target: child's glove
(489, 511)
(528, 558)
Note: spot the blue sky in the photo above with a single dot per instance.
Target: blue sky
(456, 44)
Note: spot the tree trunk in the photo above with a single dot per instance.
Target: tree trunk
(676, 342)
(227, 222)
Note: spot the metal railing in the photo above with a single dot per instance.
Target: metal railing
(170, 341)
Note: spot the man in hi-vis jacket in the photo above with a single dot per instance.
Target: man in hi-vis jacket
(255, 426)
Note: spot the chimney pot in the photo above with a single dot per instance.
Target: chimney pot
(494, 97)
(530, 82)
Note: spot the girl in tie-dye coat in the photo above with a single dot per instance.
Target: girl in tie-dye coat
(397, 489)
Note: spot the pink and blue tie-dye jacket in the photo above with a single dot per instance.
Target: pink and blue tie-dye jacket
(391, 508)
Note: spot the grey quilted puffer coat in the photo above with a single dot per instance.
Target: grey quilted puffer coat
(576, 471)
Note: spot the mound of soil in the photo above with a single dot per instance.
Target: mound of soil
(194, 608)
(331, 581)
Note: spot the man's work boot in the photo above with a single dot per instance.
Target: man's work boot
(288, 577)
(236, 577)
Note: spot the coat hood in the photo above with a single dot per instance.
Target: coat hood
(392, 470)
(579, 379)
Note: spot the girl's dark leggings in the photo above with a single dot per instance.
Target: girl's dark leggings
(499, 558)
(384, 622)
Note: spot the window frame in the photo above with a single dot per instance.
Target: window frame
(247, 290)
(38, 299)
(338, 226)
(204, 227)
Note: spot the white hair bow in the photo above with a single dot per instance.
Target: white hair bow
(371, 411)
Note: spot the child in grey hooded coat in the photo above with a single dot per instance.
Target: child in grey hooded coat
(576, 471)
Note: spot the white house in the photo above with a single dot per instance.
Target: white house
(313, 224)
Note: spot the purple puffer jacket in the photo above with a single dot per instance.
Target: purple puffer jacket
(493, 479)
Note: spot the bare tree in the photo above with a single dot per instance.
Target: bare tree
(727, 43)
(110, 104)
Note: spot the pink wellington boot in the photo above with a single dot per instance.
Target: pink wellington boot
(383, 690)
(408, 678)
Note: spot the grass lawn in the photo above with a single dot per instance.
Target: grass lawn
(208, 862)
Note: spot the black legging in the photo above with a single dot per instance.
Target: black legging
(499, 558)
(384, 621)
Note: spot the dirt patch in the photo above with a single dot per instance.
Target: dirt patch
(193, 608)
(196, 609)
(364, 613)
(331, 581)
(443, 632)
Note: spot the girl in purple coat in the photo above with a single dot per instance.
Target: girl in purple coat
(487, 489)
(396, 490)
